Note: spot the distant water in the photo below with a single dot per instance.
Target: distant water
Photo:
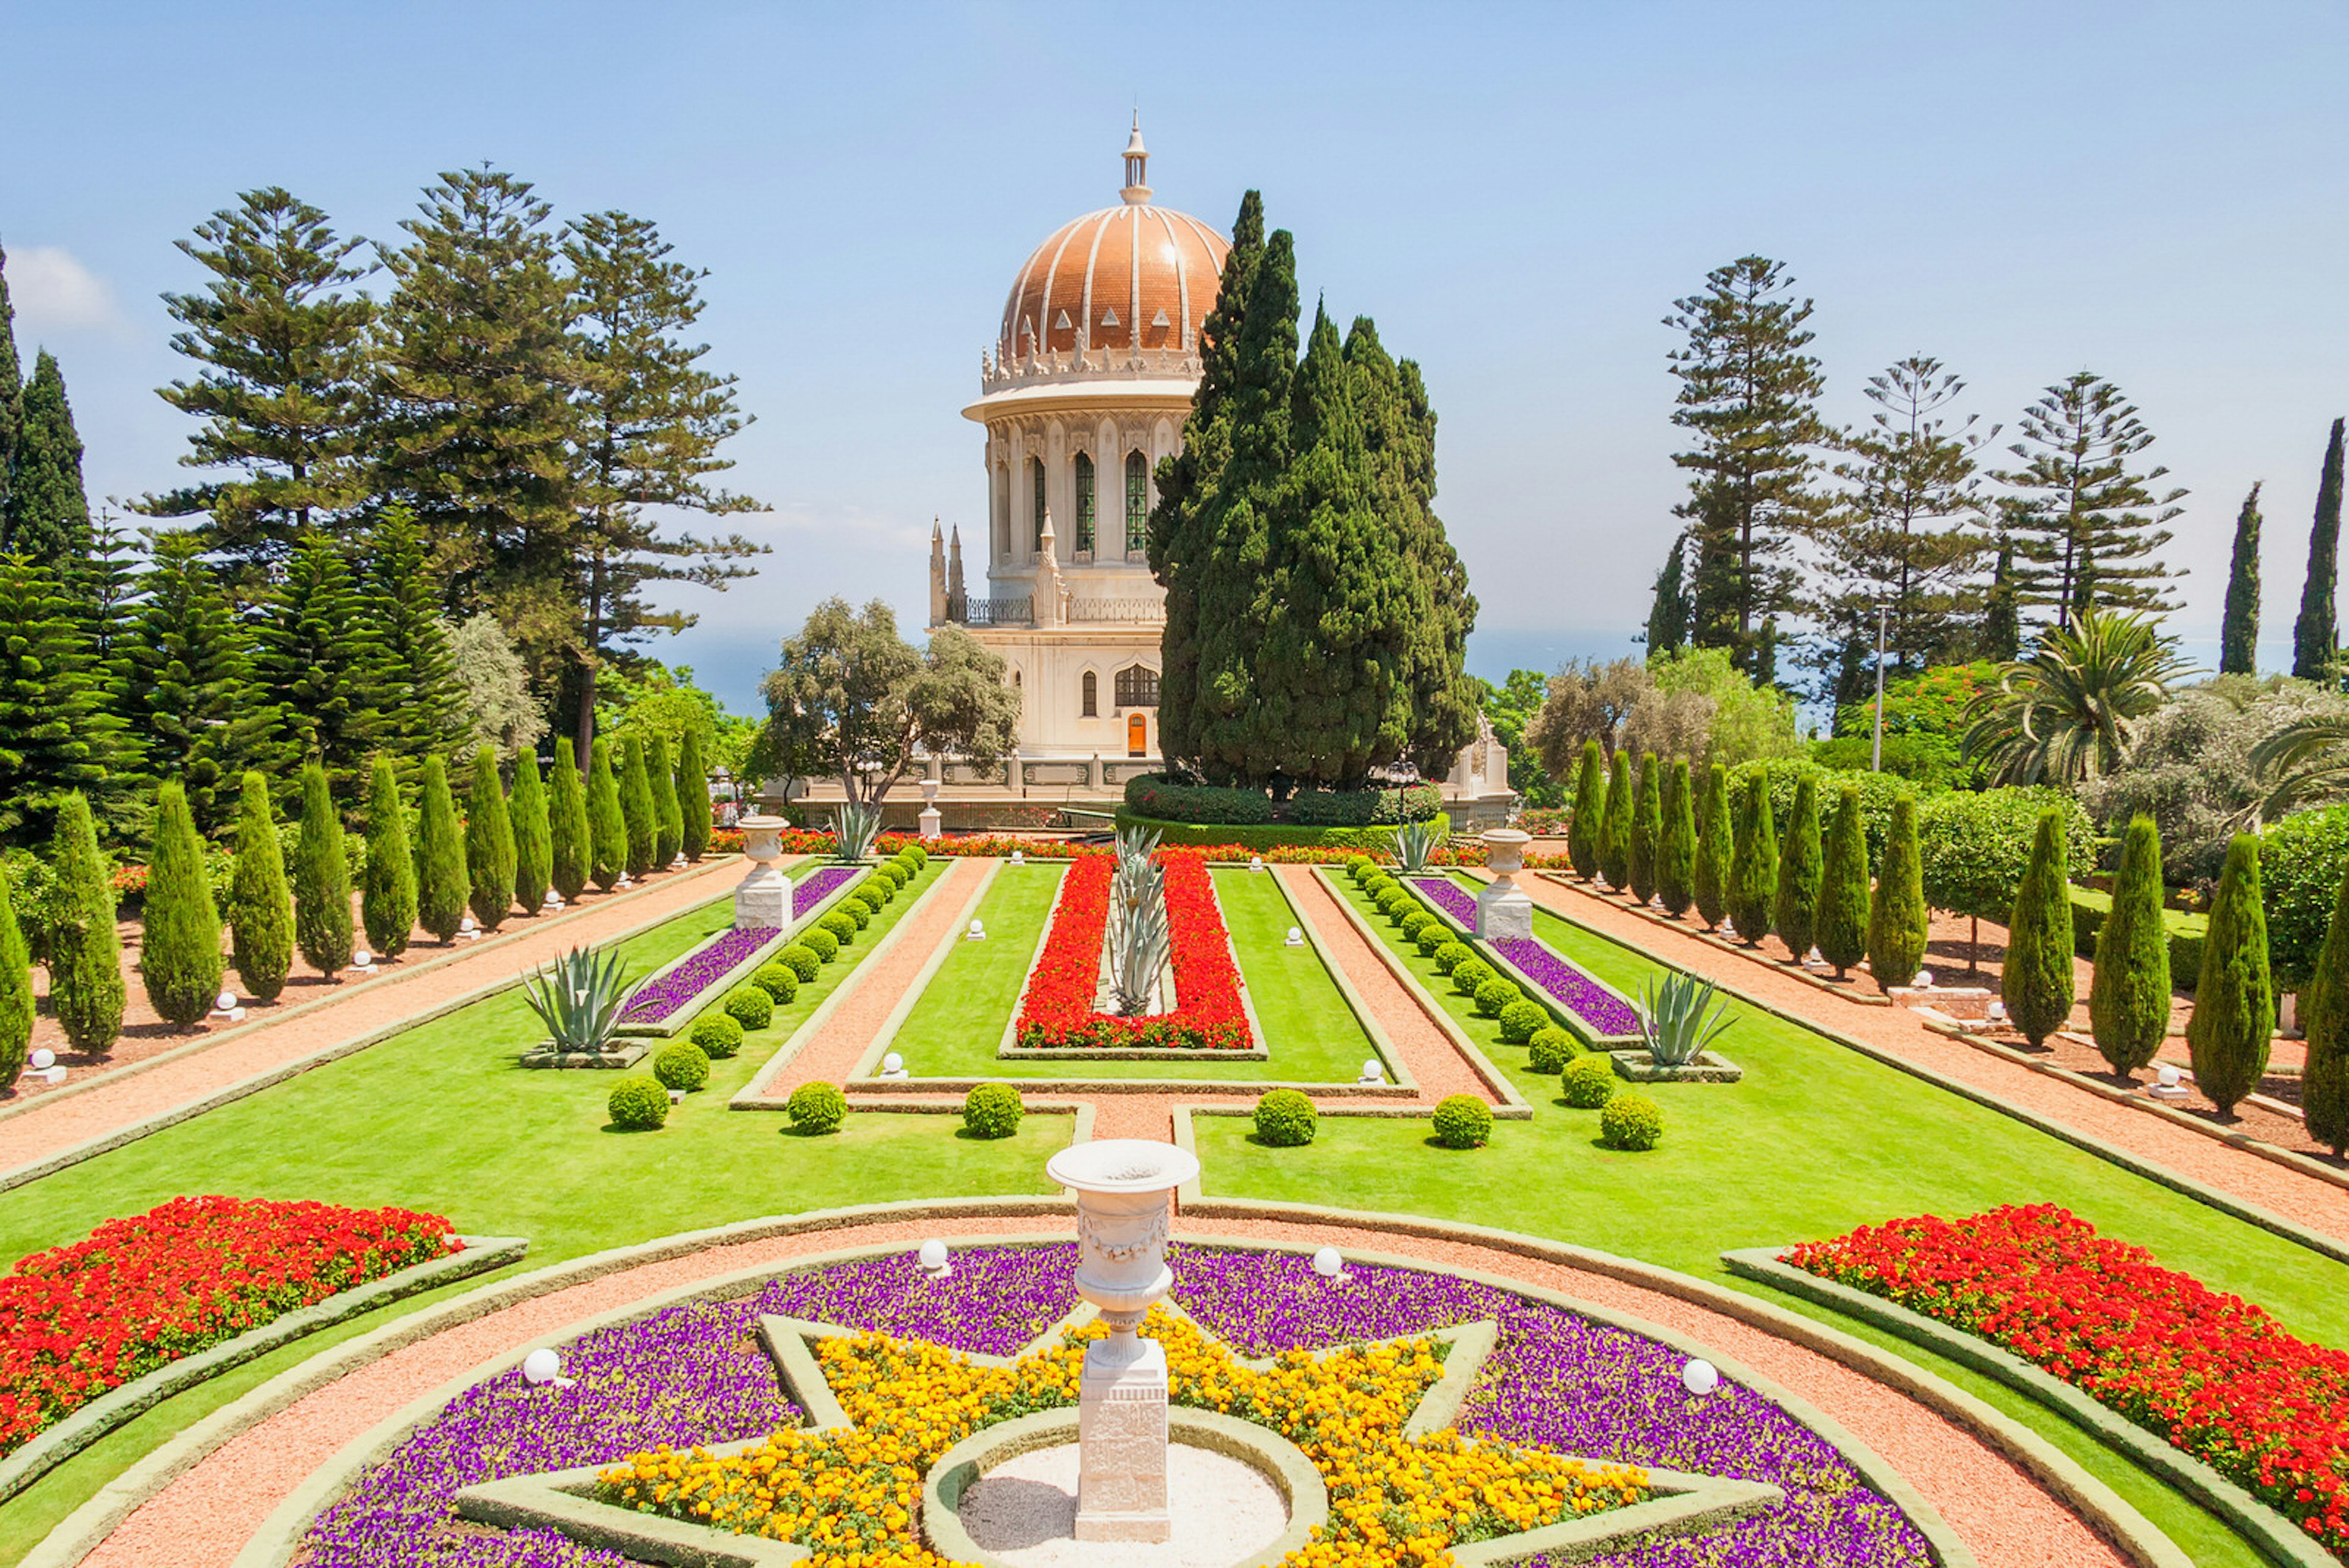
(1492, 653)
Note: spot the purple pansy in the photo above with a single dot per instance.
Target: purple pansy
(725, 952)
(1607, 1014)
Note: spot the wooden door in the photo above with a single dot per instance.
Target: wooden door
(1137, 736)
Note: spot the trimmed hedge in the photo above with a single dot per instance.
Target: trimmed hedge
(2187, 933)
(1285, 1118)
(681, 1066)
(817, 940)
(1630, 1121)
(817, 1108)
(1463, 1121)
(718, 1034)
(1157, 795)
(801, 959)
(749, 1006)
(1550, 1050)
(1588, 1082)
(638, 1105)
(2301, 861)
(779, 980)
(992, 1110)
(1174, 835)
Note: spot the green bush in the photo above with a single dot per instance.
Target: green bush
(819, 941)
(16, 993)
(570, 846)
(1588, 1082)
(749, 1006)
(638, 1105)
(1413, 924)
(872, 895)
(1362, 871)
(1583, 831)
(1676, 852)
(1715, 847)
(1615, 825)
(1752, 886)
(893, 872)
(2036, 977)
(1470, 973)
(841, 925)
(801, 959)
(1630, 1121)
(2129, 1000)
(1157, 795)
(2234, 1001)
(2301, 861)
(179, 957)
(1370, 840)
(85, 950)
(1452, 954)
(1782, 776)
(442, 882)
(1896, 917)
(1973, 849)
(490, 857)
(533, 866)
(915, 853)
(636, 808)
(1285, 1118)
(1433, 939)
(1495, 994)
(992, 1110)
(2324, 1015)
(1647, 827)
(681, 1066)
(387, 886)
(1394, 903)
(720, 1034)
(1550, 1049)
(2183, 930)
(1841, 930)
(321, 880)
(668, 820)
(1521, 1019)
(1802, 868)
(260, 909)
(607, 828)
(692, 790)
(817, 1108)
(779, 980)
(1463, 1121)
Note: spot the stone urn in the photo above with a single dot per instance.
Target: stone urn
(932, 823)
(1123, 1187)
(1503, 909)
(764, 896)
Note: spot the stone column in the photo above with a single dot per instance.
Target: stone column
(764, 897)
(1503, 909)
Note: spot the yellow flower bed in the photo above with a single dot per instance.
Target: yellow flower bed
(851, 1497)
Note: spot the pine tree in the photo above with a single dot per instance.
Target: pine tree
(180, 945)
(1897, 920)
(1753, 861)
(1840, 932)
(668, 837)
(104, 590)
(489, 843)
(188, 682)
(1586, 832)
(2089, 531)
(1802, 872)
(443, 879)
(426, 709)
(1715, 849)
(1614, 829)
(260, 907)
(2234, 1001)
(15, 962)
(2000, 638)
(388, 891)
(527, 806)
(321, 660)
(1668, 616)
(607, 829)
(570, 844)
(2129, 1000)
(322, 878)
(2036, 982)
(85, 949)
(2316, 635)
(1647, 829)
(57, 733)
(48, 511)
(636, 808)
(2238, 633)
(692, 795)
(2325, 1017)
(1676, 852)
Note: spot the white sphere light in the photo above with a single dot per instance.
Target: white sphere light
(933, 1255)
(977, 931)
(1700, 1377)
(44, 1059)
(1330, 1263)
(893, 1062)
(224, 1001)
(541, 1367)
(2168, 1074)
(1925, 978)
(362, 959)
(465, 924)
(1374, 1070)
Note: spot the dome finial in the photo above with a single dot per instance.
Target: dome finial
(1137, 164)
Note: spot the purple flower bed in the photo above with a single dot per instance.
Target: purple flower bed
(723, 953)
(694, 1373)
(1449, 897)
(816, 887)
(1607, 1014)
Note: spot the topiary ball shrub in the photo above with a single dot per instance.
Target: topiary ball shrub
(1451, 954)
(1521, 1019)
(855, 911)
(779, 980)
(1469, 973)
(992, 1110)
(681, 1066)
(638, 1105)
(749, 1006)
(821, 942)
(1550, 1049)
(801, 960)
(1463, 1121)
(1285, 1118)
(915, 853)
(1431, 938)
(870, 896)
(1588, 1082)
(817, 1108)
(1630, 1121)
(1362, 871)
(1413, 924)
(717, 1034)
(1394, 903)
(1495, 994)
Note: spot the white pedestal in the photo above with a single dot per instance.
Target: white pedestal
(1121, 1447)
(764, 899)
(1502, 909)
(932, 821)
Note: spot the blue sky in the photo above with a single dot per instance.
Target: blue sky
(2155, 193)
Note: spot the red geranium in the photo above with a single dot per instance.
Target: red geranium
(1058, 1010)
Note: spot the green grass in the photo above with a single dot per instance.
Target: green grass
(959, 1022)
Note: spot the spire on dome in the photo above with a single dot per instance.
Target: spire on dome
(1137, 165)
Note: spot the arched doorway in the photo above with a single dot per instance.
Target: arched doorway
(1137, 735)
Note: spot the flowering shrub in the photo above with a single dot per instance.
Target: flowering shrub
(2213, 1374)
(80, 1321)
(1058, 1011)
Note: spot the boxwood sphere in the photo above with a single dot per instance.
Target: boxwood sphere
(749, 1006)
(637, 1104)
(1414, 924)
(855, 911)
(1469, 973)
(1588, 1082)
(818, 1107)
(1463, 1121)
(1451, 954)
(1550, 1049)
(870, 896)
(992, 1110)
(1495, 994)
(779, 980)
(1631, 1121)
(1394, 903)
(681, 1064)
(1432, 937)
(718, 1034)
(1285, 1118)
(1521, 1018)
(915, 853)
(801, 960)
(821, 942)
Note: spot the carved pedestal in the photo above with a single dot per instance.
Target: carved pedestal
(1121, 1447)
(1502, 909)
(763, 899)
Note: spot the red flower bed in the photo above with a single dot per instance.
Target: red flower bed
(78, 1321)
(1058, 1011)
(2212, 1374)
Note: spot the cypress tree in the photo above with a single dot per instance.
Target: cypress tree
(2234, 1001)
(2001, 638)
(2316, 635)
(1647, 828)
(57, 732)
(1668, 616)
(2036, 982)
(668, 838)
(1840, 932)
(15, 962)
(1615, 826)
(260, 908)
(637, 806)
(2325, 1017)
(322, 878)
(692, 796)
(1587, 831)
(568, 840)
(1801, 870)
(489, 843)
(2128, 999)
(1898, 921)
(387, 893)
(48, 518)
(1676, 856)
(2239, 632)
(1715, 850)
(443, 881)
(180, 949)
(608, 830)
(527, 806)
(1753, 861)
(85, 950)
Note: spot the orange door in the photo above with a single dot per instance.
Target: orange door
(1137, 736)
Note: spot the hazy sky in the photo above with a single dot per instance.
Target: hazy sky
(1516, 194)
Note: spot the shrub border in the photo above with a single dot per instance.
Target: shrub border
(1845, 989)
(684, 1017)
(1566, 1018)
(1260, 837)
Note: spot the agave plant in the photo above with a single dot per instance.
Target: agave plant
(1139, 938)
(854, 826)
(1673, 1016)
(1415, 845)
(578, 997)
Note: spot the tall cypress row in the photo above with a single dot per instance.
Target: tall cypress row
(2316, 635)
(1897, 920)
(669, 821)
(16, 961)
(1715, 848)
(2036, 980)
(2128, 999)
(388, 888)
(637, 806)
(1802, 871)
(260, 905)
(1615, 825)
(85, 950)
(570, 849)
(1676, 854)
(179, 946)
(2324, 1015)
(532, 848)
(489, 843)
(1587, 831)
(608, 830)
(2239, 632)
(1647, 828)
(443, 883)
(2234, 1001)
(692, 797)
(1753, 861)
(1840, 932)
(321, 880)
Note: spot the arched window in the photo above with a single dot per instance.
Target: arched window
(1084, 505)
(1137, 687)
(1035, 474)
(1093, 695)
(1137, 503)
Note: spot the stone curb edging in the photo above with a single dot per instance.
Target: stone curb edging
(269, 1077)
(1081, 1110)
(2276, 1537)
(119, 1407)
(870, 1060)
(1753, 955)
(684, 1016)
(386, 978)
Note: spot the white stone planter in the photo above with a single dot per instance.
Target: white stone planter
(764, 896)
(1503, 909)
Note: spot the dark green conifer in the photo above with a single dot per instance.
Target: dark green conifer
(15, 962)
(1587, 829)
(1614, 829)
(489, 843)
(2324, 1018)
(1802, 871)
(1715, 849)
(180, 941)
(527, 806)
(322, 878)
(1647, 828)
(2001, 638)
(48, 516)
(1897, 920)
(58, 730)
(189, 687)
(387, 891)
(260, 906)
(1668, 614)
(2239, 632)
(636, 808)
(607, 829)
(321, 660)
(85, 949)
(12, 386)
(2128, 999)
(2036, 982)
(692, 796)
(2234, 1001)
(443, 881)
(2316, 635)
(1753, 861)
(569, 842)
(425, 708)
(1676, 856)
(669, 821)
(1840, 933)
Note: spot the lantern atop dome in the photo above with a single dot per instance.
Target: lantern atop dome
(1137, 166)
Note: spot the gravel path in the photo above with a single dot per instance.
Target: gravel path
(1025, 1511)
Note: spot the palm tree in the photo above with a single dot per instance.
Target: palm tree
(2304, 764)
(2074, 708)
